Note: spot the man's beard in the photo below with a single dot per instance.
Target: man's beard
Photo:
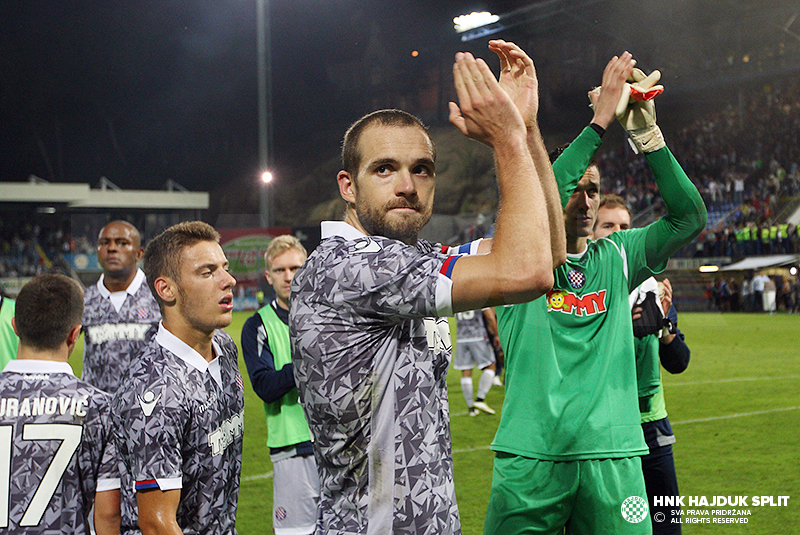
(405, 229)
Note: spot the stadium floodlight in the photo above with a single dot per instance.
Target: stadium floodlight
(264, 199)
(462, 23)
(709, 269)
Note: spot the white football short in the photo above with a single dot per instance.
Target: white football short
(295, 497)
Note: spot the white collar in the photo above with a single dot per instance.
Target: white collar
(340, 228)
(183, 351)
(37, 366)
(576, 256)
(132, 288)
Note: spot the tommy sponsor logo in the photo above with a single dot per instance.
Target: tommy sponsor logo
(226, 434)
(110, 332)
(437, 331)
(569, 303)
(148, 402)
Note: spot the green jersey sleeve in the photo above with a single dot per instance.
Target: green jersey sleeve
(686, 214)
(571, 164)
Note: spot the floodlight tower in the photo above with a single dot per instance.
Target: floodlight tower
(264, 109)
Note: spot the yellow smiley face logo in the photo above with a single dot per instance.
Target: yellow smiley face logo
(557, 300)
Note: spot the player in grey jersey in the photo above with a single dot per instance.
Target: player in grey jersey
(56, 448)
(370, 344)
(179, 417)
(121, 315)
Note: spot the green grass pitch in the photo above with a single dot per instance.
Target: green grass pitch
(735, 413)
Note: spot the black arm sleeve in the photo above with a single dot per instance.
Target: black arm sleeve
(675, 355)
(270, 384)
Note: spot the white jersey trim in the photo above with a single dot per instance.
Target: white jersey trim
(37, 366)
(132, 288)
(183, 351)
(108, 484)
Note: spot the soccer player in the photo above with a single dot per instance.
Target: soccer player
(121, 315)
(669, 348)
(267, 354)
(473, 349)
(179, 416)
(569, 439)
(370, 341)
(56, 447)
(8, 338)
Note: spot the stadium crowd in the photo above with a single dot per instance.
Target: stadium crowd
(746, 164)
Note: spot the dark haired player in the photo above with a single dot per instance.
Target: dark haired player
(56, 448)
(120, 315)
(179, 417)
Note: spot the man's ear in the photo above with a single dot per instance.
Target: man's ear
(139, 254)
(347, 187)
(72, 338)
(166, 289)
(14, 326)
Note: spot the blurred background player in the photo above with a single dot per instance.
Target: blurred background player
(179, 416)
(474, 349)
(8, 338)
(664, 343)
(267, 354)
(58, 454)
(121, 315)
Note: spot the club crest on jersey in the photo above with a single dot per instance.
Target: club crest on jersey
(240, 382)
(143, 313)
(569, 303)
(576, 279)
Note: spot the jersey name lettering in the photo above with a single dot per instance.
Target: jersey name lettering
(107, 332)
(14, 408)
(569, 303)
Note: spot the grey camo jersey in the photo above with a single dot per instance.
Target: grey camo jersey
(112, 339)
(192, 435)
(371, 362)
(470, 327)
(52, 422)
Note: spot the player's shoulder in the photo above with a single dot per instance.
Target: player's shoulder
(91, 294)
(225, 341)
(252, 323)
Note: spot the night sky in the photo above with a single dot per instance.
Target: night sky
(142, 92)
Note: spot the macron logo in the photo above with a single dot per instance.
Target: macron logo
(148, 402)
(365, 245)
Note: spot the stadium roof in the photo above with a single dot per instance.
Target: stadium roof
(760, 262)
(82, 196)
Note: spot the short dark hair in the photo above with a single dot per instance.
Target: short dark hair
(556, 153)
(162, 255)
(351, 156)
(47, 309)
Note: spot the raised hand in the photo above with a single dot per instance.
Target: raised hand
(518, 79)
(613, 90)
(486, 113)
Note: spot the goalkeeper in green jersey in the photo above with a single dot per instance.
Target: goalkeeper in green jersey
(569, 440)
